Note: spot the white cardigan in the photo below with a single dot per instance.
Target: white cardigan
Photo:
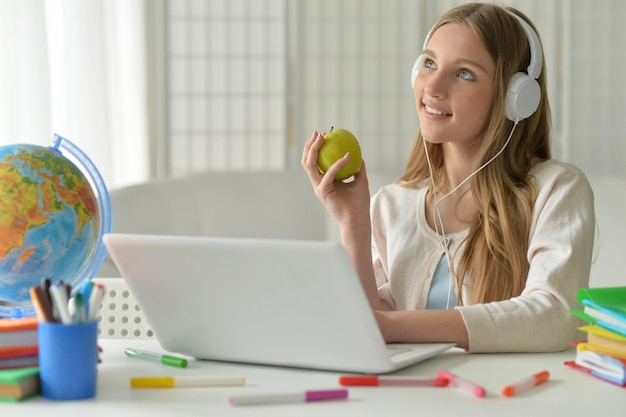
(406, 252)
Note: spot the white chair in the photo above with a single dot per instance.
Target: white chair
(230, 204)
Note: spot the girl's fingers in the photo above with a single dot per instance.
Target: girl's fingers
(309, 157)
(307, 147)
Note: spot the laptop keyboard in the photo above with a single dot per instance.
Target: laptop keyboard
(396, 350)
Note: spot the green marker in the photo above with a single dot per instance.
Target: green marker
(156, 357)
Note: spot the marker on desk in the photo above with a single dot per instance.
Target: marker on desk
(182, 382)
(306, 396)
(374, 380)
(526, 384)
(156, 357)
(465, 385)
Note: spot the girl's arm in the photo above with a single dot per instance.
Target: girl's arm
(423, 326)
(349, 204)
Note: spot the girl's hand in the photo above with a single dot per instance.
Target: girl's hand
(346, 202)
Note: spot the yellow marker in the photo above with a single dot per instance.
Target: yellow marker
(181, 382)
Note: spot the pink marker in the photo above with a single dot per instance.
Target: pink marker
(459, 382)
(306, 396)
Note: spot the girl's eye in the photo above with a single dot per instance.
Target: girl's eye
(466, 75)
(428, 63)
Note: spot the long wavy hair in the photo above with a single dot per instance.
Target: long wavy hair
(494, 260)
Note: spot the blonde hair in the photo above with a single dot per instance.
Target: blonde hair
(494, 258)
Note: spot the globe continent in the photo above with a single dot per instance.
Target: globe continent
(48, 220)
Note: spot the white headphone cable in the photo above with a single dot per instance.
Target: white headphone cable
(437, 213)
(437, 218)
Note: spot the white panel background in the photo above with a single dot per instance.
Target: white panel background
(249, 80)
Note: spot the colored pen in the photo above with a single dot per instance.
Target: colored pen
(464, 384)
(42, 307)
(59, 299)
(85, 290)
(76, 307)
(526, 384)
(156, 357)
(45, 287)
(183, 382)
(95, 301)
(299, 397)
(374, 380)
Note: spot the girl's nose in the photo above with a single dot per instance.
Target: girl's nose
(435, 84)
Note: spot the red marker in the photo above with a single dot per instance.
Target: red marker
(374, 381)
(526, 384)
(465, 385)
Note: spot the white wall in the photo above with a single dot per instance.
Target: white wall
(594, 87)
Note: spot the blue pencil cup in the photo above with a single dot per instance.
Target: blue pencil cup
(68, 358)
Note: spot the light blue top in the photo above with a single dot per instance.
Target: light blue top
(439, 288)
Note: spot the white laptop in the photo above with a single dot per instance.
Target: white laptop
(263, 301)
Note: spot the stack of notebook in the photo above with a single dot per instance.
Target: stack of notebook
(603, 354)
(18, 342)
(19, 375)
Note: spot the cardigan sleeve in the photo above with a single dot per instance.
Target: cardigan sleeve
(559, 253)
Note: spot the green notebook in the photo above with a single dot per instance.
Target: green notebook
(605, 307)
(611, 297)
(19, 383)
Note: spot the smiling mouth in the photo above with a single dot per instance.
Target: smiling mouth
(435, 111)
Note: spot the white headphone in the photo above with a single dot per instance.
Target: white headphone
(523, 93)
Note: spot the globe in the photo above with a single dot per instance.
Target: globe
(52, 218)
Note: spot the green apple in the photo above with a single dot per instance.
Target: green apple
(337, 143)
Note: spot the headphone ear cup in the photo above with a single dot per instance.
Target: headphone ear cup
(416, 69)
(522, 98)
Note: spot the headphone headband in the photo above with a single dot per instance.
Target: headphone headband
(536, 53)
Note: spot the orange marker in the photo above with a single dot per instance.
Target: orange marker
(526, 384)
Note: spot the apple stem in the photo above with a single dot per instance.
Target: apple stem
(331, 128)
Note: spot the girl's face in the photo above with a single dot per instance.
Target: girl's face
(454, 87)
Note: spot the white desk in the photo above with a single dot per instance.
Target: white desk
(568, 393)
